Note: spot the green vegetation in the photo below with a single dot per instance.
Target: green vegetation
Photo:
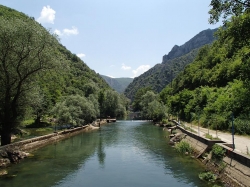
(208, 176)
(214, 89)
(162, 74)
(218, 152)
(39, 77)
(217, 83)
(118, 84)
(183, 147)
(209, 136)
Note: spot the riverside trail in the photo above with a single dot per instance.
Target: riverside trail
(242, 142)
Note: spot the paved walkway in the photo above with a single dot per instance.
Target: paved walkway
(242, 143)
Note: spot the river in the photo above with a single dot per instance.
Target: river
(122, 154)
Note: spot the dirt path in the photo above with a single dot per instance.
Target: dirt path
(242, 143)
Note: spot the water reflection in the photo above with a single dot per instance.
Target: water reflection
(120, 154)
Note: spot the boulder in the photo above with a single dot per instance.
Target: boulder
(4, 162)
(3, 172)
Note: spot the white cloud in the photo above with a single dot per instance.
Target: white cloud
(67, 32)
(140, 70)
(80, 55)
(124, 67)
(47, 15)
(110, 76)
(72, 31)
(57, 32)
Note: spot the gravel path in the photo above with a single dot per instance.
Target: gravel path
(242, 143)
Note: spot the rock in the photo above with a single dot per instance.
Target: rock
(171, 135)
(4, 162)
(3, 172)
(3, 154)
(13, 154)
(171, 143)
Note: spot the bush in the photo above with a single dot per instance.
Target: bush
(183, 147)
(208, 176)
(164, 121)
(242, 126)
(218, 152)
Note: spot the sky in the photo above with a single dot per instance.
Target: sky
(119, 38)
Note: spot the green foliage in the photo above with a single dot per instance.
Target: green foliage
(217, 82)
(177, 59)
(38, 73)
(38, 125)
(227, 8)
(75, 110)
(208, 176)
(242, 125)
(183, 147)
(27, 52)
(156, 111)
(209, 136)
(218, 152)
(138, 98)
(118, 84)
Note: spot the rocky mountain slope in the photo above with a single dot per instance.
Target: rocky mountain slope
(174, 62)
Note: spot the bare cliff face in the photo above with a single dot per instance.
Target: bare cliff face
(203, 38)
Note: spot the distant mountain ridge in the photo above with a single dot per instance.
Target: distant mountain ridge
(118, 84)
(159, 76)
(202, 38)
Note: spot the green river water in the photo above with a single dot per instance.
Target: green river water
(121, 154)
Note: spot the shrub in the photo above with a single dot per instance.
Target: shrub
(217, 152)
(183, 147)
(242, 126)
(164, 121)
(208, 176)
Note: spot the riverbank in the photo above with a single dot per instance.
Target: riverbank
(233, 170)
(16, 151)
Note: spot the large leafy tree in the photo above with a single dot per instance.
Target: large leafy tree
(226, 8)
(26, 51)
(76, 110)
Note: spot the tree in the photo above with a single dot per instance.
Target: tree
(26, 51)
(110, 103)
(226, 8)
(147, 98)
(156, 110)
(138, 98)
(75, 110)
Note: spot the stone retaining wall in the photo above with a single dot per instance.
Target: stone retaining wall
(237, 164)
(36, 142)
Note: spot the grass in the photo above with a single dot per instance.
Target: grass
(209, 136)
(27, 122)
(189, 129)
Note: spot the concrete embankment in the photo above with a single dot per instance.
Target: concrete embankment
(236, 165)
(17, 150)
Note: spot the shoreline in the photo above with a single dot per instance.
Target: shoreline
(14, 152)
(236, 166)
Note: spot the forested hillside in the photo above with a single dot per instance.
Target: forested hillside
(40, 79)
(161, 74)
(214, 89)
(118, 84)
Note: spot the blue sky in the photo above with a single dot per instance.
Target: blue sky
(119, 38)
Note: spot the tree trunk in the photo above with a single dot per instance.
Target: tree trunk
(9, 121)
(6, 133)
